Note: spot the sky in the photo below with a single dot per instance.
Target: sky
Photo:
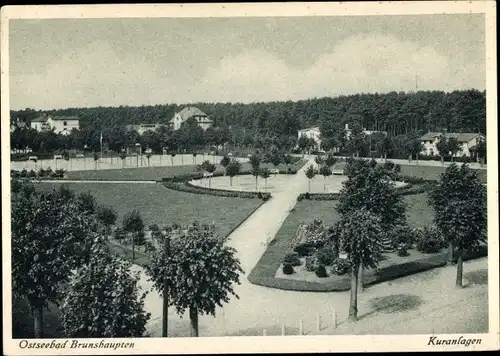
(61, 63)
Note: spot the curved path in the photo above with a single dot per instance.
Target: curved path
(261, 308)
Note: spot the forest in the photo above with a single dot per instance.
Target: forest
(399, 114)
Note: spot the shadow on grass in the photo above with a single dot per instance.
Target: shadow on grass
(273, 330)
(479, 277)
(393, 304)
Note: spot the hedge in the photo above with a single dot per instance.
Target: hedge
(262, 276)
(190, 188)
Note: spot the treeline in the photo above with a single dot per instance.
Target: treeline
(397, 113)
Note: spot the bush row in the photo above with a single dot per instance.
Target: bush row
(42, 173)
(189, 188)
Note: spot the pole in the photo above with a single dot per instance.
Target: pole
(165, 291)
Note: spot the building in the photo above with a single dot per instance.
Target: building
(312, 133)
(191, 112)
(465, 140)
(141, 128)
(60, 124)
(348, 131)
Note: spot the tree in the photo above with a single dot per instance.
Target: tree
(133, 224)
(480, 150)
(370, 187)
(385, 147)
(96, 159)
(210, 169)
(310, 173)
(50, 238)
(107, 217)
(194, 157)
(264, 174)
(276, 159)
(86, 203)
(459, 202)
(443, 147)
(325, 171)
(233, 169)
(453, 147)
(200, 271)
(287, 159)
(255, 170)
(225, 162)
(413, 146)
(103, 300)
(172, 155)
(319, 160)
(123, 156)
(303, 143)
(148, 156)
(330, 160)
(360, 233)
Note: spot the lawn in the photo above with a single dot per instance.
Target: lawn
(418, 215)
(157, 173)
(433, 172)
(162, 206)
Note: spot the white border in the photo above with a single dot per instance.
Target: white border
(268, 344)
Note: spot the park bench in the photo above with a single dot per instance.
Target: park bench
(32, 158)
(80, 155)
(274, 171)
(58, 156)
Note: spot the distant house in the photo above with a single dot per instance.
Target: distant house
(191, 112)
(60, 124)
(141, 128)
(466, 141)
(348, 132)
(312, 133)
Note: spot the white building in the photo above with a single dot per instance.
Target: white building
(348, 132)
(465, 140)
(191, 112)
(60, 124)
(311, 133)
(141, 128)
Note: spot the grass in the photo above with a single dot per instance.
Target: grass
(162, 206)
(157, 173)
(418, 215)
(433, 172)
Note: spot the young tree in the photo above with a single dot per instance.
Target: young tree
(200, 271)
(413, 146)
(319, 160)
(276, 159)
(453, 147)
(264, 174)
(210, 169)
(123, 156)
(50, 238)
(325, 171)
(96, 160)
(107, 217)
(310, 173)
(133, 224)
(330, 160)
(303, 143)
(172, 155)
(255, 170)
(443, 147)
(148, 156)
(287, 159)
(481, 151)
(384, 147)
(459, 202)
(103, 300)
(225, 162)
(194, 157)
(360, 233)
(233, 169)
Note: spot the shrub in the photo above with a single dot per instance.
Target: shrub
(325, 256)
(429, 240)
(266, 197)
(292, 259)
(190, 188)
(304, 249)
(287, 269)
(23, 173)
(402, 235)
(154, 227)
(321, 271)
(340, 267)
(259, 195)
(311, 263)
(140, 238)
(300, 197)
(32, 174)
(402, 250)
(119, 234)
(307, 196)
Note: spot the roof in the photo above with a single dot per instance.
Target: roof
(461, 137)
(55, 118)
(315, 128)
(64, 118)
(190, 111)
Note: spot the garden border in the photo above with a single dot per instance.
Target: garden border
(382, 275)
